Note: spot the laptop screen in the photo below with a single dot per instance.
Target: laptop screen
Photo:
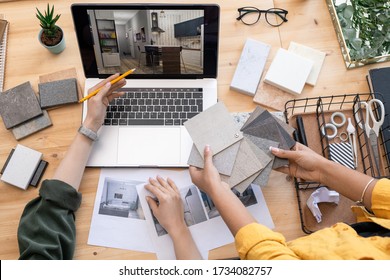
(159, 41)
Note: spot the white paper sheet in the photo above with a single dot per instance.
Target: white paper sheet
(109, 230)
(138, 231)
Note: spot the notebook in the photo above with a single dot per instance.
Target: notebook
(174, 49)
(378, 82)
(3, 45)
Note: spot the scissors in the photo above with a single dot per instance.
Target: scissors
(372, 132)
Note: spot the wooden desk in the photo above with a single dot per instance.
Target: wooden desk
(309, 24)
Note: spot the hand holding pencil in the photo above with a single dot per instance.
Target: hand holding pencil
(97, 106)
(93, 93)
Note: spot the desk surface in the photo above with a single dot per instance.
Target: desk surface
(309, 24)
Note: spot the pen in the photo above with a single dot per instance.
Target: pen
(112, 82)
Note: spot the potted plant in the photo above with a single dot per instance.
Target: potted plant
(50, 36)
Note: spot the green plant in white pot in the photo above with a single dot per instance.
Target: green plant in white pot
(50, 36)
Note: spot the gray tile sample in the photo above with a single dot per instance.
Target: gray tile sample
(263, 144)
(246, 165)
(223, 161)
(241, 187)
(259, 153)
(215, 127)
(267, 132)
(255, 114)
(289, 129)
(57, 93)
(34, 125)
(263, 158)
(270, 129)
(19, 104)
(262, 179)
(262, 116)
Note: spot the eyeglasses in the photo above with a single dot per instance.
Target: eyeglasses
(273, 16)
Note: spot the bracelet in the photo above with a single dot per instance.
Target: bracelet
(92, 135)
(364, 192)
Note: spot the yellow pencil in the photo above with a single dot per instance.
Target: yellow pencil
(112, 82)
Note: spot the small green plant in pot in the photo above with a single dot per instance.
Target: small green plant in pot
(50, 36)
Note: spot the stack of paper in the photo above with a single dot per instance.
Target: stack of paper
(123, 219)
(3, 46)
(241, 156)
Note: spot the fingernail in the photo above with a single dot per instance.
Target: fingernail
(273, 149)
(108, 85)
(207, 148)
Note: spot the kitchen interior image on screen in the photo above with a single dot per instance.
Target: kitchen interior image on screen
(152, 41)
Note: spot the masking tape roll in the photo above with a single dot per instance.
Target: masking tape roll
(331, 127)
(340, 115)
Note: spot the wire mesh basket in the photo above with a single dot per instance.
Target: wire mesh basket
(316, 112)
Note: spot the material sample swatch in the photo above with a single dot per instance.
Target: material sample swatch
(34, 125)
(57, 93)
(19, 104)
(289, 71)
(223, 161)
(215, 127)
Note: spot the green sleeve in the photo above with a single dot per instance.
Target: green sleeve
(47, 226)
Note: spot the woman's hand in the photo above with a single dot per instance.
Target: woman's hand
(168, 209)
(208, 178)
(304, 163)
(97, 105)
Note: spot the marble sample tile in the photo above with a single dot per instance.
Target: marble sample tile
(250, 67)
(19, 104)
(215, 127)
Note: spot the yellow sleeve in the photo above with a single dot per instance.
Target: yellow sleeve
(380, 201)
(255, 241)
(380, 206)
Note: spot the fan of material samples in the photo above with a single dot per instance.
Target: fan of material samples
(241, 155)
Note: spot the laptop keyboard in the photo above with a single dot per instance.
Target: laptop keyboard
(155, 106)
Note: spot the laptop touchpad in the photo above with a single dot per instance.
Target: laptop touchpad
(149, 146)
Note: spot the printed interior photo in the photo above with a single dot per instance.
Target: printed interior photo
(152, 41)
(247, 198)
(120, 199)
(193, 209)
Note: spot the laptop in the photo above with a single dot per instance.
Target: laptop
(174, 48)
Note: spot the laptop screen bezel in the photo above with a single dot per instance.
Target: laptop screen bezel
(210, 48)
